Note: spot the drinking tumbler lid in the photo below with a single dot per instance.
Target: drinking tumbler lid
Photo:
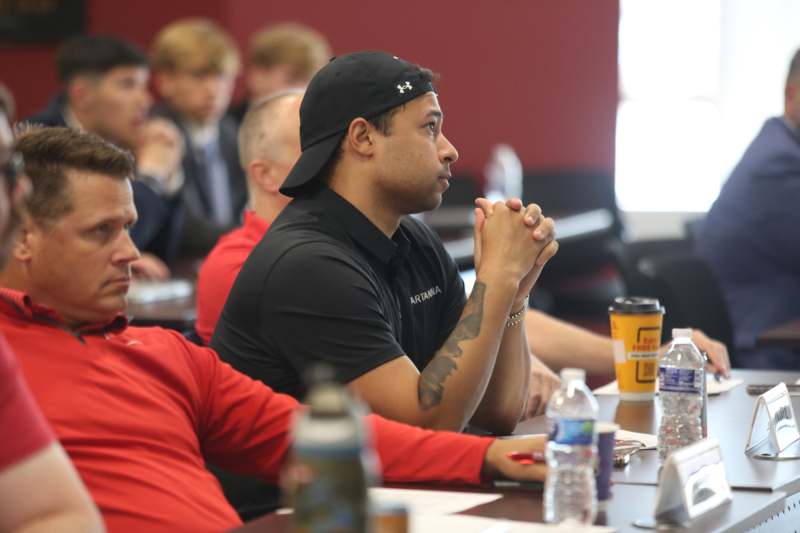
(635, 305)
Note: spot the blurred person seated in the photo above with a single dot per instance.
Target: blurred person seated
(105, 92)
(141, 410)
(269, 145)
(39, 488)
(748, 237)
(195, 63)
(282, 56)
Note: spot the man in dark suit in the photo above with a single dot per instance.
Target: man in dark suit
(750, 234)
(195, 65)
(105, 92)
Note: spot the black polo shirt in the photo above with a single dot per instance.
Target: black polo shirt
(325, 284)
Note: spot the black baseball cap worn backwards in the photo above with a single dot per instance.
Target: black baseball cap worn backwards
(361, 84)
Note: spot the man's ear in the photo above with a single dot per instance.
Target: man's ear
(80, 92)
(27, 237)
(262, 172)
(361, 137)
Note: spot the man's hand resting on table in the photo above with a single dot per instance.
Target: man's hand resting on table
(497, 465)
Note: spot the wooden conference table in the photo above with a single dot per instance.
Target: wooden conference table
(766, 494)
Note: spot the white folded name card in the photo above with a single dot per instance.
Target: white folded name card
(774, 427)
(692, 482)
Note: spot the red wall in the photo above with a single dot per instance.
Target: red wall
(538, 74)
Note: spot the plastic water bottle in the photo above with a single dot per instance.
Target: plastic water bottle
(332, 462)
(681, 382)
(570, 492)
(503, 174)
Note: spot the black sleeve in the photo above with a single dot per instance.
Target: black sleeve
(318, 305)
(160, 221)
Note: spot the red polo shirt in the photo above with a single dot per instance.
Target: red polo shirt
(140, 411)
(220, 268)
(24, 428)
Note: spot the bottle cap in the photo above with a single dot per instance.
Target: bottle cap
(678, 333)
(573, 374)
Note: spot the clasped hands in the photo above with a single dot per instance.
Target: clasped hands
(515, 238)
(159, 154)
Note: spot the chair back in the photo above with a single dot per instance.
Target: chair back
(628, 255)
(687, 288)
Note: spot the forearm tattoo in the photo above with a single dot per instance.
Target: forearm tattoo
(433, 376)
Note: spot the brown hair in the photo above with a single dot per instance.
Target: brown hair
(195, 44)
(49, 153)
(304, 49)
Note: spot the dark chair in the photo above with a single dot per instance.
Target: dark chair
(580, 277)
(628, 255)
(686, 287)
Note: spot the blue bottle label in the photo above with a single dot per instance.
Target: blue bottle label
(672, 379)
(573, 431)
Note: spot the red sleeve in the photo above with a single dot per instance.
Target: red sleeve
(244, 425)
(214, 282)
(411, 454)
(24, 428)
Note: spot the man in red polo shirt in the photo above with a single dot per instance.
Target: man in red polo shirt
(141, 410)
(269, 145)
(39, 488)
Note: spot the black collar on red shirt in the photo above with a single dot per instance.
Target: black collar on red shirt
(22, 305)
(390, 252)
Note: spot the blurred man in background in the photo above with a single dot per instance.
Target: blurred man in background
(749, 236)
(195, 63)
(105, 92)
(282, 56)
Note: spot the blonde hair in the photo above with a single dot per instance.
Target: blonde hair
(304, 49)
(195, 44)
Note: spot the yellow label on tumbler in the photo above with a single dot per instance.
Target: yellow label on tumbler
(636, 333)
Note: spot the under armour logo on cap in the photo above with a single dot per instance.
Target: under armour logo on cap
(404, 87)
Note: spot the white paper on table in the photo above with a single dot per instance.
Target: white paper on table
(714, 387)
(650, 441)
(474, 524)
(431, 502)
(144, 292)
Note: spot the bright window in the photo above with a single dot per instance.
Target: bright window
(697, 80)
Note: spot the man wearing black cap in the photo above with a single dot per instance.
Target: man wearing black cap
(343, 276)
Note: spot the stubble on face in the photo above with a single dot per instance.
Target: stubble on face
(410, 168)
(80, 266)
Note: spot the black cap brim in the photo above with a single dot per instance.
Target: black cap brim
(312, 161)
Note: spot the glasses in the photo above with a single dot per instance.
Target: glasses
(11, 169)
(624, 449)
